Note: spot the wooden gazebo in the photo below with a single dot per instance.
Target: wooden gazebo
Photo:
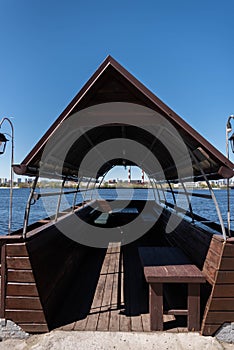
(49, 280)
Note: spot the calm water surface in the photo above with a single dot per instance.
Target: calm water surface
(47, 206)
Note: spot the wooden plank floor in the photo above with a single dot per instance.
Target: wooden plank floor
(109, 311)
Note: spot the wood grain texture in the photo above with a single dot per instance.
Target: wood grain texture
(3, 280)
(156, 307)
(216, 260)
(21, 289)
(194, 307)
(225, 277)
(55, 260)
(220, 305)
(197, 245)
(129, 316)
(20, 276)
(224, 304)
(227, 263)
(210, 329)
(16, 250)
(219, 317)
(223, 291)
(229, 250)
(18, 263)
(23, 303)
(26, 316)
(210, 272)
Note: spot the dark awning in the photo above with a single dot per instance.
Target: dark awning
(134, 114)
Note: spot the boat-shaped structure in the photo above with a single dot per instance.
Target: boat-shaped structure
(81, 269)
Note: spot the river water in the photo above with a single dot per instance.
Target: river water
(46, 206)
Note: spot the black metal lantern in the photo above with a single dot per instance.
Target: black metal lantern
(3, 141)
(231, 139)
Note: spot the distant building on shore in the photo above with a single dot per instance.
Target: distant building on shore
(3, 181)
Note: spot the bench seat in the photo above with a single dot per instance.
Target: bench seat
(170, 265)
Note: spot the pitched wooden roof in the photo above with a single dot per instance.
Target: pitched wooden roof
(113, 83)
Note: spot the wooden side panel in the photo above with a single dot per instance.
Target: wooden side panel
(227, 263)
(3, 280)
(229, 249)
(27, 303)
(22, 302)
(27, 316)
(19, 263)
(225, 291)
(220, 306)
(34, 327)
(21, 289)
(210, 329)
(213, 259)
(55, 261)
(20, 276)
(16, 250)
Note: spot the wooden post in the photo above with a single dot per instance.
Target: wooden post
(156, 306)
(193, 306)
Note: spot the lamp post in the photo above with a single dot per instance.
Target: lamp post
(231, 139)
(3, 141)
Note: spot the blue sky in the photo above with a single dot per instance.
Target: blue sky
(180, 49)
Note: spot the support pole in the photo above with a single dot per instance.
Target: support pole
(212, 195)
(59, 199)
(86, 190)
(163, 192)
(103, 177)
(172, 192)
(188, 200)
(28, 206)
(153, 187)
(94, 188)
(75, 194)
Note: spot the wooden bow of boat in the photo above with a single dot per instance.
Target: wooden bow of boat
(49, 281)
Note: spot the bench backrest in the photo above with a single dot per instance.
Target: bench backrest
(193, 240)
(202, 247)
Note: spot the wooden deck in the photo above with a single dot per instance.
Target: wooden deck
(112, 309)
(50, 282)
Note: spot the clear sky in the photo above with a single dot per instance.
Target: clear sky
(183, 50)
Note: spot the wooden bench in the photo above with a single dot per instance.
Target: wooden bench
(170, 265)
(207, 249)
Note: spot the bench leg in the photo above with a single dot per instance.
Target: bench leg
(193, 307)
(156, 306)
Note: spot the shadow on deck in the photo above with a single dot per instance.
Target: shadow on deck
(109, 293)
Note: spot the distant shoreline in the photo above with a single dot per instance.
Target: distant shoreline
(7, 187)
(122, 187)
